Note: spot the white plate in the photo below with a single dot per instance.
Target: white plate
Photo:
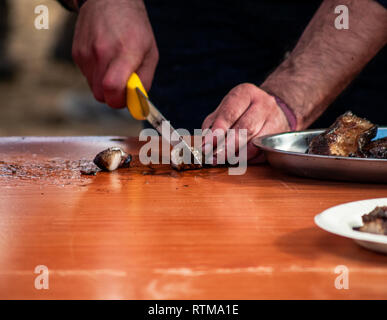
(341, 219)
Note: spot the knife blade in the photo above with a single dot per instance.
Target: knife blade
(158, 121)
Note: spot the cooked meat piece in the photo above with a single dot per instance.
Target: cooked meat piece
(375, 221)
(375, 149)
(346, 137)
(112, 159)
(177, 159)
(89, 172)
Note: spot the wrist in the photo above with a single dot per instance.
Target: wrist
(288, 112)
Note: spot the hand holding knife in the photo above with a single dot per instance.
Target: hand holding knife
(142, 108)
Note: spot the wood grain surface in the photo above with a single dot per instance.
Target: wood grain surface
(143, 233)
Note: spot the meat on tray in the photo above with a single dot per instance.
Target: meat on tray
(349, 136)
(346, 137)
(375, 149)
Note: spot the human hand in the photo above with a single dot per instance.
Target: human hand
(247, 107)
(113, 39)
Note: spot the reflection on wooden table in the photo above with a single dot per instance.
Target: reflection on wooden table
(203, 234)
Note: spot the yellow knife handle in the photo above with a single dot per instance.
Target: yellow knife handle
(133, 103)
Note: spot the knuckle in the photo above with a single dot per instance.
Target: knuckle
(239, 89)
(208, 120)
(243, 88)
(230, 115)
(210, 117)
(109, 85)
(249, 86)
(229, 100)
(100, 49)
(251, 126)
(79, 54)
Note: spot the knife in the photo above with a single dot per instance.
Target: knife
(141, 108)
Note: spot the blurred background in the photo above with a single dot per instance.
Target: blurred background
(41, 90)
(43, 93)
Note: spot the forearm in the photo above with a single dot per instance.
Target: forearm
(325, 59)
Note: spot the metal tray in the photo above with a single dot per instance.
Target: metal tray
(287, 152)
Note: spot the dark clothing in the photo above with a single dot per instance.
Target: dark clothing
(382, 2)
(64, 3)
(63, 43)
(208, 47)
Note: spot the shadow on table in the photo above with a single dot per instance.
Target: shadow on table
(310, 243)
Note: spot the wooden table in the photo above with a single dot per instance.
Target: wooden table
(137, 234)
